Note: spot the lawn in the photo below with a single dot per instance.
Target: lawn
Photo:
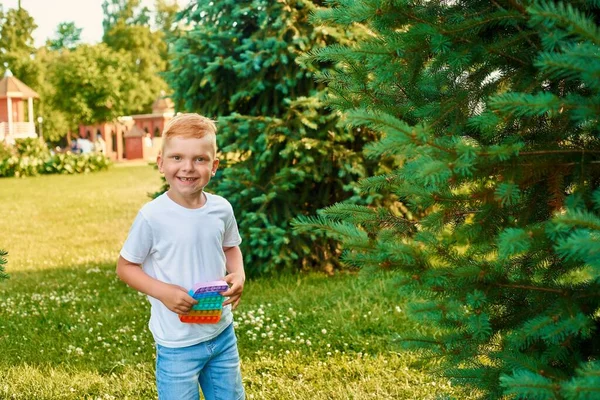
(69, 329)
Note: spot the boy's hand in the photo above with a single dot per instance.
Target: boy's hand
(177, 299)
(236, 287)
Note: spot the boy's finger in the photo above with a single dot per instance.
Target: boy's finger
(231, 300)
(232, 289)
(188, 300)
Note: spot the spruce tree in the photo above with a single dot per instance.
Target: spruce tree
(282, 151)
(491, 110)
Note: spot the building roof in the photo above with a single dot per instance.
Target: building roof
(163, 105)
(135, 131)
(14, 88)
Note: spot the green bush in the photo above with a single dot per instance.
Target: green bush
(69, 163)
(32, 147)
(6, 151)
(31, 157)
(21, 166)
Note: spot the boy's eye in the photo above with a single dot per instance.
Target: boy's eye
(200, 159)
(176, 158)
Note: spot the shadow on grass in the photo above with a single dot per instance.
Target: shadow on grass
(80, 316)
(83, 317)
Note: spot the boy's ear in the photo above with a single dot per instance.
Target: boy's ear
(215, 166)
(159, 162)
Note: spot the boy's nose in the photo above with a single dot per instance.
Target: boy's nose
(188, 165)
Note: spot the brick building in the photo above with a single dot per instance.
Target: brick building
(135, 136)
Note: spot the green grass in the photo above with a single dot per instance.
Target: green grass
(69, 329)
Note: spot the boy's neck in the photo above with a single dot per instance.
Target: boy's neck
(196, 201)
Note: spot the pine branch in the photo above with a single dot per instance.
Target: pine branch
(586, 383)
(348, 211)
(527, 385)
(566, 16)
(3, 262)
(337, 230)
(574, 151)
(398, 132)
(530, 287)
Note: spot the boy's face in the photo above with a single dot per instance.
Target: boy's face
(188, 165)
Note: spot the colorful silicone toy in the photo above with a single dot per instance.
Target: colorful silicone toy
(210, 303)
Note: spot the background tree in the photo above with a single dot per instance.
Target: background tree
(94, 83)
(127, 28)
(30, 65)
(283, 153)
(492, 110)
(16, 43)
(56, 122)
(127, 11)
(165, 15)
(67, 37)
(165, 20)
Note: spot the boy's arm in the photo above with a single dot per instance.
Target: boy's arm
(235, 275)
(174, 297)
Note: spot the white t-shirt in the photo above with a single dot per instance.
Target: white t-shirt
(182, 246)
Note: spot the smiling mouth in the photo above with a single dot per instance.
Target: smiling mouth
(183, 179)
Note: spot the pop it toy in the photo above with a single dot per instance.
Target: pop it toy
(210, 303)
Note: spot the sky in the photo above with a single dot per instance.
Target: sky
(87, 14)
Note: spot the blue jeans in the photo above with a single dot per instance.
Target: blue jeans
(214, 364)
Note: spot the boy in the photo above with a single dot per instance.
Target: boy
(183, 237)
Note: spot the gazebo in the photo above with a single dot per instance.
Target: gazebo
(13, 92)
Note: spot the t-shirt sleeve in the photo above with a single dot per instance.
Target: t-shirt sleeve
(138, 244)
(232, 236)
